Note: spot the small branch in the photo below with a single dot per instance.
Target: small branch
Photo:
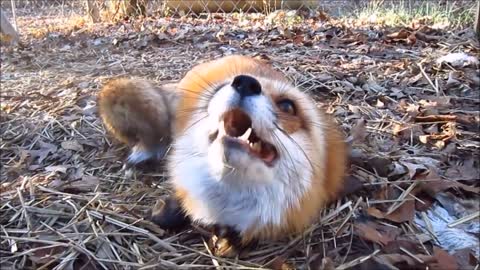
(7, 29)
(465, 120)
(428, 79)
(14, 14)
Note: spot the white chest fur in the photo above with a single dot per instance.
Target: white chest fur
(250, 203)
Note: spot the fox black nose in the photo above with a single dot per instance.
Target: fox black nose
(246, 86)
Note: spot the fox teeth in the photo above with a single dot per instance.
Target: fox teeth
(221, 129)
(256, 146)
(245, 135)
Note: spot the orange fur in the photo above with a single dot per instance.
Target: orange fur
(136, 111)
(326, 182)
(195, 82)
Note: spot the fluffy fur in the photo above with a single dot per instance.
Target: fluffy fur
(223, 185)
(139, 115)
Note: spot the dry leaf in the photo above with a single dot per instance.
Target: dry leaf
(400, 259)
(72, 145)
(412, 168)
(375, 232)
(466, 258)
(280, 263)
(325, 264)
(395, 246)
(402, 34)
(45, 255)
(452, 81)
(467, 171)
(443, 260)
(426, 38)
(57, 168)
(358, 132)
(405, 212)
(43, 152)
(434, 187)
(352, 184)
(458, 60)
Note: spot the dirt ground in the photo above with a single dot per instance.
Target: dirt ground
(411, 116)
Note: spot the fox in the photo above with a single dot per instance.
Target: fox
(247, 152)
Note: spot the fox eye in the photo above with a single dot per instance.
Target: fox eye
(287, 106)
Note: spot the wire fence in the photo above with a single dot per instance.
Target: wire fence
(56, 12)
(65, 8)
(202, 7)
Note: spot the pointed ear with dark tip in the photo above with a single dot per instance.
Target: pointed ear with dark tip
(169, 215)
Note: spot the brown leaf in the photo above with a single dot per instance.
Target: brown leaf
(411, 109)
(413, 168)
(452, 80)
(425, 37)
(88, 183)
(426, 203)
(411, 39)
(280, 263)
(402, 34)
(399, 259)
(467, 171)
(438, 184)
(407, 131)
(404, 212)
(375, 232)
(466, 258)
(394, 246)
(57, 168)
(45, 255)
(352, 184)
(358, 132)
(43, 152)
(443, 260)
(325, 264)
(462, 119)
(381, 165)
(72, 145)
(298, 39)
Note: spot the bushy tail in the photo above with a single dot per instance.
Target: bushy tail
(138, 114)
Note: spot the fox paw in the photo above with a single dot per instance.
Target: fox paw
(168, 215)
(225, 242)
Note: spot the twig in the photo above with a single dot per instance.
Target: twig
(464, 219)
(356, 261)
(159, 241)
(428, 79)
(412, 255)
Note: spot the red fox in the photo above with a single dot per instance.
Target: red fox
(249, 151)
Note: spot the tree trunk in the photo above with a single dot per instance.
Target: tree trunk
(7, 29)
(126, 8)
(92, 11)
(477, 21)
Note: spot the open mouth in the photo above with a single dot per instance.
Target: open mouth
(236, 131)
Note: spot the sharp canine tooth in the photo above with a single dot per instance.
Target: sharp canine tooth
(246, 134)
(257, 146)
(221, 129)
